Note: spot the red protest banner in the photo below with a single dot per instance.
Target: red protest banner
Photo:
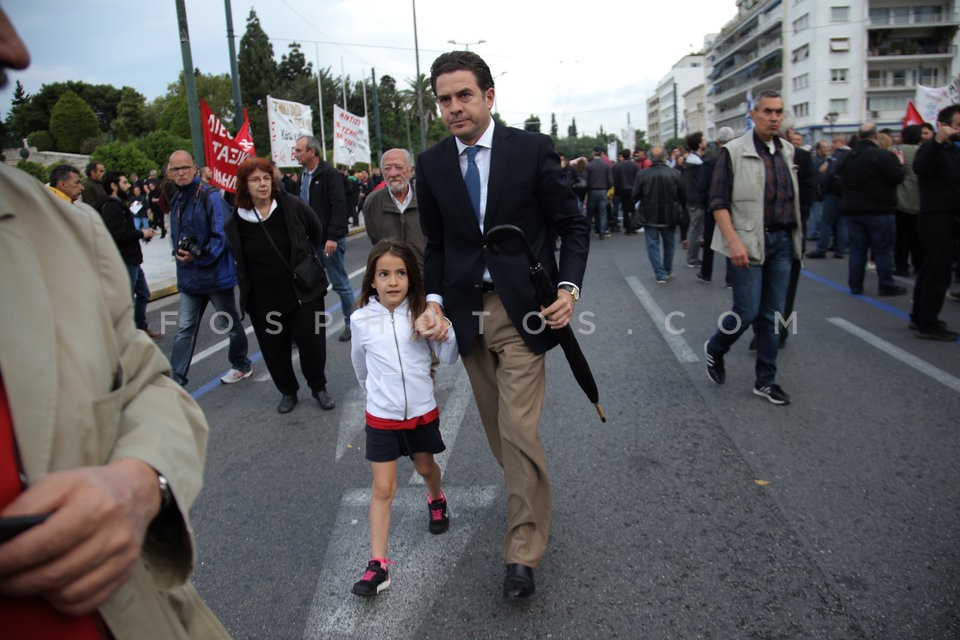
(223, 152)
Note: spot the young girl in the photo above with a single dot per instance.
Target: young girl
(392, 362)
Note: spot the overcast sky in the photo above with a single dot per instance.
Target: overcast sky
(593, 61)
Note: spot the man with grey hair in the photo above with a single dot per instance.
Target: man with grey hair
(759, 224)
(392, 212)
(724, 135)
(322, 188)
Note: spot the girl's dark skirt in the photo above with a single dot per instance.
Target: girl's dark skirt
(386, 445)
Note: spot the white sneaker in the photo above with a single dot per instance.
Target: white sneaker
(235, 375)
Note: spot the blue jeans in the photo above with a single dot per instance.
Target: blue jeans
(868, 233)
(192, 307)
(661, 268)
(141, 295)
(813, 222)
(830, 217)
(597, 210)
(759, 293)
(141, 222)
(337, 275)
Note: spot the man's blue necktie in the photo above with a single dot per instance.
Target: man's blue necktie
(472, 178)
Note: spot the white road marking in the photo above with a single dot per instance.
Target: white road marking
(451, 413)
(338, 614)
(209, 351)
(352, 419)
(677, 344)
(924, 367)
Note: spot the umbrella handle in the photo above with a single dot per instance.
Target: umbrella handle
(494, 235)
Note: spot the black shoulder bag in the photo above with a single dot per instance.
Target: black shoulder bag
(307, 274)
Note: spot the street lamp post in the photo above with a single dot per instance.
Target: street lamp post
(832, 118)
(466, 45)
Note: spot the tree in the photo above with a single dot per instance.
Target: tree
(553, 126)
(132, 118)
(293, 65)
(532, 124)
(257, 68)
(42, 140)
(158, 145)
(572, 129)
(120, 156)
(72, 122)
(175, 118)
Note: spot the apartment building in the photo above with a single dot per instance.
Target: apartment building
(666, 108)
(836, 62)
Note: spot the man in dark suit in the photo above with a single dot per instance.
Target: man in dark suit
(482, 176)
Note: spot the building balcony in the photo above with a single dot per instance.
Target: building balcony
(911, 17)
(911, 53)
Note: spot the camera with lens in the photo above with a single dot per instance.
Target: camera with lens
(189, 244)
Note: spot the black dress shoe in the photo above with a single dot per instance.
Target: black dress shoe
(324, 400)
(287, 403)
(519, 582)
(895, 291)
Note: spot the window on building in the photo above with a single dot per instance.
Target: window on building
(887, 103)
(898, 78)
(839, 14)
(838, 104)
(900, 15)
(929, 76)
(801, 110)
(838, 75)
(880, 16)
(928, 14)
(876, 79)
(801, 23)
(801, 53)
(839, 44)
(801, 82)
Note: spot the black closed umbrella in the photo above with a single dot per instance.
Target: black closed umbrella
(546, 294)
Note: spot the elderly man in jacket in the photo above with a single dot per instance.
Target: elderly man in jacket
(93, 434)
(392, 212)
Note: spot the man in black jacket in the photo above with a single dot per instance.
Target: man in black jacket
(322, 188)
(937, 165)
(119, 222)
(662, 198)
(869, 177)
(624, 174)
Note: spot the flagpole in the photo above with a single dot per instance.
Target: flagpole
(323, 138)
(366, 111)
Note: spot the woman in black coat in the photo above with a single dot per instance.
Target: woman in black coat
(271, 232)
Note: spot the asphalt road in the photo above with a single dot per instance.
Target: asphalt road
(696, 511)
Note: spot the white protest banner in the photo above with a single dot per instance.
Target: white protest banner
(351, 139)
(288, 121)
(930, 100)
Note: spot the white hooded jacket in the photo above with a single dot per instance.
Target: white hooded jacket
(391, 365)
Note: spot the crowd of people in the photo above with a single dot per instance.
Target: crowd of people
(432, 292)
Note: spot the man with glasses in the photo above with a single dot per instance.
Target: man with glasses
(322, 188)
(205, 271)
(393, 212)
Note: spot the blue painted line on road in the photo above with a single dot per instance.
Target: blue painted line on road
(215, 383)
(903, 315)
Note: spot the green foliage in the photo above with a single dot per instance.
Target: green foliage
(532, 124)
(572, 129)
(42, 140)
(214, 89)
(120, 156)
(158, 145)
(553, 126)
(257, 68)
(132, 118)
(175, 117)
(72, 122)
(37, 170)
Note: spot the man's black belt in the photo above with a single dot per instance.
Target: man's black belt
(487, 287)
(779, 226)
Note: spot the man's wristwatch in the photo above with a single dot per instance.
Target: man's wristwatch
(166, 495)
(573, 289)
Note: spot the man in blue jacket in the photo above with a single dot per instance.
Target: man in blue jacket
(205, 271)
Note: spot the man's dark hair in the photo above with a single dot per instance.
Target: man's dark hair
(92, 166)
(61, 172)
(111, 178)
(766, 93)
(911, 134)
(461, 61)
(693, 140)
(928, 126)
(625, 154)
(946, 114)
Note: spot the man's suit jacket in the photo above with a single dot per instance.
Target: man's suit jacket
(526, 188)
(85, 388)
(328, 201)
